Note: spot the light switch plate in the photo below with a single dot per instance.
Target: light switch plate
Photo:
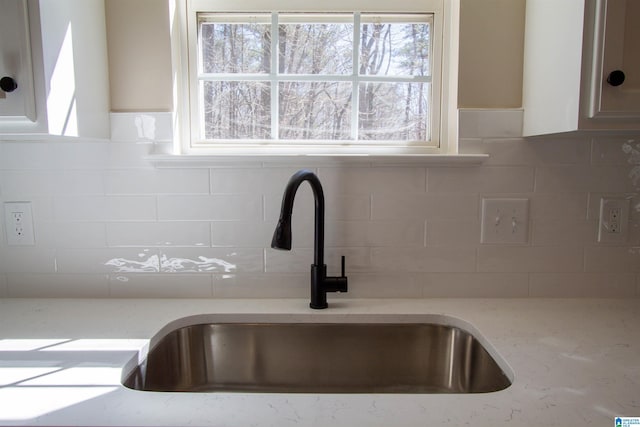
(505, 221)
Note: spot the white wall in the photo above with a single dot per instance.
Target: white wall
(490, 72)
(108, 224)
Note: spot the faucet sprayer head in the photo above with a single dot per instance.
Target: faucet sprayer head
(282, 234)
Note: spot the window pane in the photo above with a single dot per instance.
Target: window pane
(315, 110)
(395, 49)
(234, 110)
(235, 48)
(394, 111)
(318, 48)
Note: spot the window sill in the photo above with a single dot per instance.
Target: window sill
(259, 159)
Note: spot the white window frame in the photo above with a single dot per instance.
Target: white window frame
(444, 127)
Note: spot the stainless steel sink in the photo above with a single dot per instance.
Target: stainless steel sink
(319, 358)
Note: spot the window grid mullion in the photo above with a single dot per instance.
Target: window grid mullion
(273, 74)
(355, 98)
(313, 78)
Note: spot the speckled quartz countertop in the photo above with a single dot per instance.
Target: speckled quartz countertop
(575, 363)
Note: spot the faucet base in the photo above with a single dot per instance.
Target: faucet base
(319, 306)
(321, 284)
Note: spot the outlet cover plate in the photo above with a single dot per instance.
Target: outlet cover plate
(613, 226)
(505, 221)
(18, 221)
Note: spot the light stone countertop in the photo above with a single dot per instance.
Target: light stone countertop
(576, 362)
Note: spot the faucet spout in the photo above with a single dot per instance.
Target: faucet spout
(282, 238)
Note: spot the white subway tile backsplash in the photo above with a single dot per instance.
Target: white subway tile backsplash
(25, 155)
(373, 180)
(407, 206)
(588, 285)
(452, 233)
(496, 179)
(71, 234)
(129, 156)
(160, 286)
(158, 181)
(144, 126)
(241, 207)
(557, 232)
(252, 234)
(375, 233)
(109, 224)
(348, 208)
(270, 181)
(509, 152)
(27, 259)
(261, 286)
(573, 179)
(440, 259)
(80, 154)
(383, 285)
(490, 123)
(547, 205)
(530, 259)
(57, 286)
(172, 233)
(614, 150)
(107, 208)
(623, 259)
(474, 285)
(37, 183)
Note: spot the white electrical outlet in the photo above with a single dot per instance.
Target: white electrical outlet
(18, 221)
(505, 221)
(614, 220)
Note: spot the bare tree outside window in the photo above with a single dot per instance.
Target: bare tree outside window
(298, 77)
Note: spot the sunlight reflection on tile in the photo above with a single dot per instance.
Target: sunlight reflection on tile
(123, 265)
(184, 265)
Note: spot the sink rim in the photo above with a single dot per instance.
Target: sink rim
(333, 318)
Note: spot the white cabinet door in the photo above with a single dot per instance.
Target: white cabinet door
(617, 76)
(572, 47)
(15, 62)
(56, 51)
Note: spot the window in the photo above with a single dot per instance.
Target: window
(354, 76)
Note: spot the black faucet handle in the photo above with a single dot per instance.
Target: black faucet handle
(342, 269)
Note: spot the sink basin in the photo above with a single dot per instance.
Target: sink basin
(432, 357)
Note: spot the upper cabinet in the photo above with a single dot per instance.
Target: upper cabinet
(17, 98)
(53, 56)
(581, 66)
(618, 78)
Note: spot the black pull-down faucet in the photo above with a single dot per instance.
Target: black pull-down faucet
(320, 283)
